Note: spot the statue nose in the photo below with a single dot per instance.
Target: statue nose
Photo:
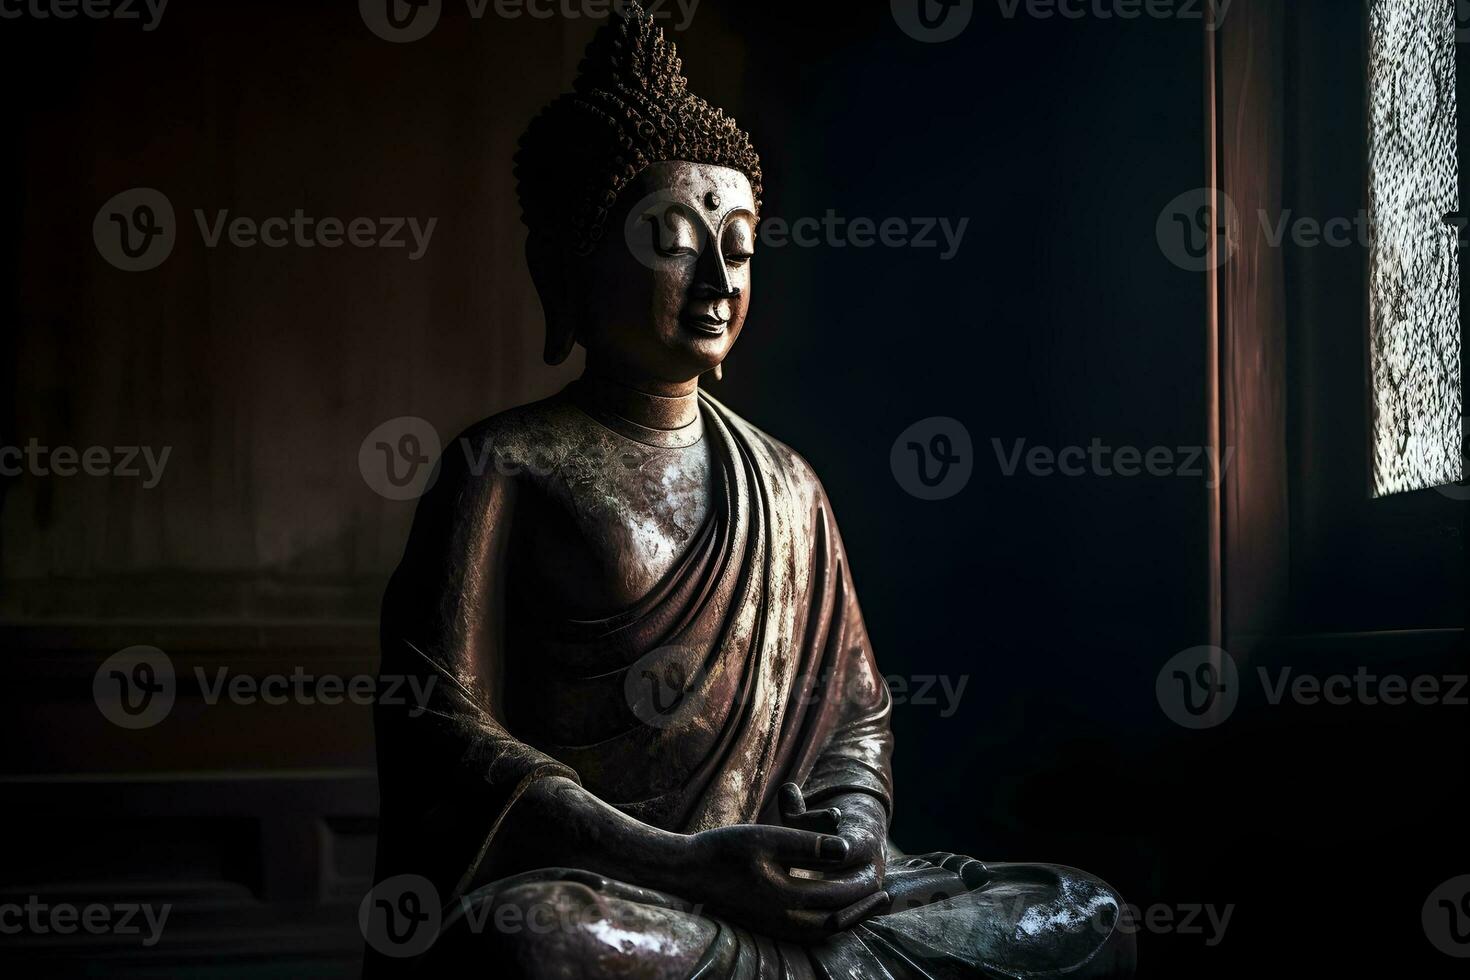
(712, 279)
(711, 291)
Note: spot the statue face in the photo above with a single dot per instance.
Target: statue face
(670, 281)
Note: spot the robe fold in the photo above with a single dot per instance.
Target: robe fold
(746, 667)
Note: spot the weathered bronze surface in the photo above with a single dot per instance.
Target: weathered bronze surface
(659, 743)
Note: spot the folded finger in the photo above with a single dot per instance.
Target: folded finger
(808, 893)
(804, 848)
(793, 804)
(858, 911)
(819, 821)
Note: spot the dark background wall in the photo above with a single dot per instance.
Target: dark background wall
(1058, 321)
(1055, 600)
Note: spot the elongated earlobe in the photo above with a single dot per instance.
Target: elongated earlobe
(560, 339)
(719, 372)
(553, 286)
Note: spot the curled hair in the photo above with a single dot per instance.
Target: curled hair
(630, 107)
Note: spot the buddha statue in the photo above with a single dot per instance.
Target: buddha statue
(657, 741)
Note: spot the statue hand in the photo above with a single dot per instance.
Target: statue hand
(862, 821)
(795, 814)
(741, 871)
(744, 872)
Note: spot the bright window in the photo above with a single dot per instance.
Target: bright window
(1413, 275)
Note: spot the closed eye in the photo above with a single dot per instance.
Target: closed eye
(674, 250)
(738, 239)
(674, 234)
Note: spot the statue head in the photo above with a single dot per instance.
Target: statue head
(641, 202)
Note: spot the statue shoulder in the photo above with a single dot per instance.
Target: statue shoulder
(528, 441)
(484, 469)
(786, 461)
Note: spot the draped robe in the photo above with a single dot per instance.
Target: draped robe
(746, 667)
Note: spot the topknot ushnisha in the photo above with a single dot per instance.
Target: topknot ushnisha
(629, 107)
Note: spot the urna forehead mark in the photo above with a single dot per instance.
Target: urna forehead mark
(715, 192)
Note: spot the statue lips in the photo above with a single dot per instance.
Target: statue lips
(705, 323)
